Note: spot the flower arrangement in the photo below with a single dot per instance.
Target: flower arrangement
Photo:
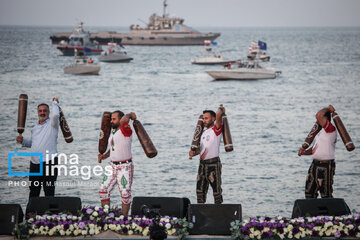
(92, 220)
(303, 227)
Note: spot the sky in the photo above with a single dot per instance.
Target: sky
(197, 13)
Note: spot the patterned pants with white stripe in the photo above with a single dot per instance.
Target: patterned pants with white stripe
(122, 176)
(320, 178)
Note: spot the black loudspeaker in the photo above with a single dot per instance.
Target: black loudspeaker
(165, 206)
(213, 219)
(10, 214)
(40, 205)
(320, 207)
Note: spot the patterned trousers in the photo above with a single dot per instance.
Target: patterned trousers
(320, 178)
(209, 173)
(122, 176)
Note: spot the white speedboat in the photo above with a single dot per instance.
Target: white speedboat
(243, 71)
(82, 66)
(115, 54)
(210, 57)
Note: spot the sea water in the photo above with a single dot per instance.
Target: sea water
(269, 119)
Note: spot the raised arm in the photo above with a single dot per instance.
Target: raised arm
(127, 117)
(219, 114)
(55, 121)
(320, 115)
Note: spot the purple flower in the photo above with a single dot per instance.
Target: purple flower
(89, 211)
(315, 234)
(111, 215)
(295, 230)
(83, 210)
(101, 212)
(337, 234)
(66, 226)
(125, 230)
(81, 225)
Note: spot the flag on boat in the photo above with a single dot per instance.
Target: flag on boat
(254, 44)
(262, 45)
(214, 43)
(87, 50)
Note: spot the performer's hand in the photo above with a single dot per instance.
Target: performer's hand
(100, 157)
(331, 108)
(301, 151)
(55, 99)
(191, 154)
(133, 116)
(19, 139)
(222, 109)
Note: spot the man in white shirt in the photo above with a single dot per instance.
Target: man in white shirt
(121, 161)
(43, 140)
(322, 170)
(209, 171)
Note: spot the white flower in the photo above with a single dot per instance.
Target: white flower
(97, 208)
(106, 210)
(62, 232)
(71, 227)
(168, 226)
(76, 232)
(95, 214)
(106, 206)
(112, 227)
(118, 227)
(145, 232)
(68, 232)
(36, 231)
(130, 232)
(74, 218)
(31, 231)
(106, 227)
(84, 232)
(91, 217)
(252, 235)
(297, 236)
(266, 229)
(92, 231)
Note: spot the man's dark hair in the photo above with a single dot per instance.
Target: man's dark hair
(157, 232)
(43, 104)
(120, 113)
(212, 113)
(328, 115)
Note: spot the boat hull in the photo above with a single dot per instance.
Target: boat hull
(70, 51)
(85, 69)
(146, 39)
(115, 58)
(241, 74)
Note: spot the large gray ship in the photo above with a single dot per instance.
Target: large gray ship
(160, 30)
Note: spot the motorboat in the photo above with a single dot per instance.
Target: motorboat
(210, 57)
(82, 66)
(162, 30)
(250, 70)
(80, 41)
(115, 54)
(257, 51)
